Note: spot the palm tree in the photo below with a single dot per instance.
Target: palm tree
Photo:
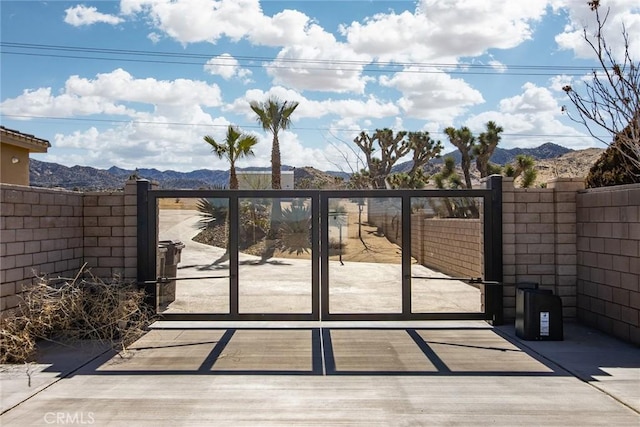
(274, 115)
(235, 146)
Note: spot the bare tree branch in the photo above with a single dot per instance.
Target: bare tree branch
(611, 98)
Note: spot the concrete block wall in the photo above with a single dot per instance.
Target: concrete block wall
(608, 262)
(450, 245)
(387, 216)
(110, 233)
(539, 240)
(55, 232)
(434, 241)
(41, 234)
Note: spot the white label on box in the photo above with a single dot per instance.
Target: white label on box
(544, 323)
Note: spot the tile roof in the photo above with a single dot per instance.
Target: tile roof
(17, 136)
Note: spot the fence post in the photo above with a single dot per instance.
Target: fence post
(146, 253)
(493, 251)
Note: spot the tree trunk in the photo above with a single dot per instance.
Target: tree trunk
(275, 163)
(466, 165)
(233, 178)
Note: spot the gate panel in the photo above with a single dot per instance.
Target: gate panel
(447, 243)
(364, 255)
(298, 281)
(193, 244)
(276, 260)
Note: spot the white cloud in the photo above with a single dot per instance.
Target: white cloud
(530, 119)
(498, 66)
(120, 85)
(153, 139)
(109, 93)
(82, 15)
(154, 37)
(432, 96)
(41, 102)
(227, 67)
(444, 31)
(353, 109)
(533, 99)
(621, 12)
(191, 21)
(558, 82)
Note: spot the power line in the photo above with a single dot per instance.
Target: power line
(164, 57)
(254, 126)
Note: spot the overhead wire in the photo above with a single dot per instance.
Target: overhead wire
(251, 126)
(247, 61)
(369, 66)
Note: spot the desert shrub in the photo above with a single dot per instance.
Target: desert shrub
(74, 309)
(613, 168)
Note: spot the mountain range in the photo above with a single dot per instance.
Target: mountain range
(85, 178)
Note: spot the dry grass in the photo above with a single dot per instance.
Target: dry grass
(73, 309)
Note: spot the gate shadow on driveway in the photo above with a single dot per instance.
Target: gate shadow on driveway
(326, 351)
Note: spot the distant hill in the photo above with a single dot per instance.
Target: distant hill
(554, 160)
(84, 178)
(501, 156)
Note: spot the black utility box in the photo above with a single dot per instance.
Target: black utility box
(538, 313)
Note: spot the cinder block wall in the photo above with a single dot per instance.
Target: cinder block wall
(55, 232)
(453, 246)
(608, 286)
(41, 232)
(539, 240)
(110, 232)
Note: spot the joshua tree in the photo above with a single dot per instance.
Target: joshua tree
(392, 148)
(274, 115)
(235, 146)
(483, 150)
(464, 140)
(524, 165)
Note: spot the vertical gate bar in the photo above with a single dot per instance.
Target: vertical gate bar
(315, 256)
(406, 255)
(233, 243)
(493, 250)
(324, 259)
(146, 251)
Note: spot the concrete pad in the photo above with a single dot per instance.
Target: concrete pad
(376, 352)
(167, 350)
(53, 361)
(479, 351)
(108, 394)
(604, 362)
(268, 351)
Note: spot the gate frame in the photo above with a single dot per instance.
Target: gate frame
(147, 223)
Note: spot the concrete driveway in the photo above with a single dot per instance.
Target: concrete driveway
(325, 373)
(430, 373)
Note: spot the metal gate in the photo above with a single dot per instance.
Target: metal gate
(322, 295)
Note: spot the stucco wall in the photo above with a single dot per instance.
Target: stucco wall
(55, 232)
(608, 285)
(14, 173)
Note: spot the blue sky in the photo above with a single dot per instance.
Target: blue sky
(138, 83)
